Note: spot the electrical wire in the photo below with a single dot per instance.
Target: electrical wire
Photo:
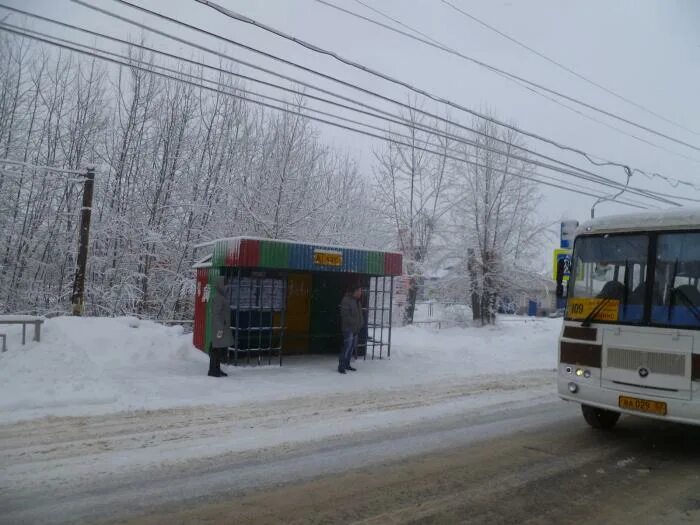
(618, 130)
(310, 70)
(36, 167)
(19, 175)
(562, 66)
(405, 122)
(589, 157)
(392, 117)
(312, 47)
(300, 114)
(431, 130)
(595, 178)
(534, 90)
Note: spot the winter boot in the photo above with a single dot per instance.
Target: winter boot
(214, 362)
(222, 373)
(348, 367)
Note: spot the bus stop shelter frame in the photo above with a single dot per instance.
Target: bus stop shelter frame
(258, 272)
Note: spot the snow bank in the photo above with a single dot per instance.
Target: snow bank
(514, 344)
(100, 365)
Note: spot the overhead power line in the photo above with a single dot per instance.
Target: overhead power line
(130, 61)
(589, 157)
(248, 20)
(43, 168)
(598, 179)
(569, 70)
(390, 117)
(326, 76)
(387, 139)
(14, 174)
(148, 66)
(524, 85)
(285, 77)
(614, 128)
(645, 192)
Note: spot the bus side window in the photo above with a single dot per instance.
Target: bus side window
(676, 298)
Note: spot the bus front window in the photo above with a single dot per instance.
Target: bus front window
(676, 298)
(611, 268)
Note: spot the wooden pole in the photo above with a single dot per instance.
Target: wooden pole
(78, 297)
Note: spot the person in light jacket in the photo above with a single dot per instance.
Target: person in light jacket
(221, 336)
(352, 321)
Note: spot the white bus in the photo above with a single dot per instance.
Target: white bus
(630, 342)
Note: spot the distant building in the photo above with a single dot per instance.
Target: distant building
(543, 293)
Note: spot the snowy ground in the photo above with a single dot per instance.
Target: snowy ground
(96, 366)
(103, 409)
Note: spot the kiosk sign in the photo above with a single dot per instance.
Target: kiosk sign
(328, 258)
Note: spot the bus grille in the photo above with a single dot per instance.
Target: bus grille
(656, 362)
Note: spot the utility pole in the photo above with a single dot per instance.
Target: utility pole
(78, 297)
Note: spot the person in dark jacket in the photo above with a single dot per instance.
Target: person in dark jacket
(221, 336)
(352, 321)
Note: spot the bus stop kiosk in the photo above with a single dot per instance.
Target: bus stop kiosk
(285, 297)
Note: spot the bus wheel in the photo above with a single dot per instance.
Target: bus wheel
(600, 418)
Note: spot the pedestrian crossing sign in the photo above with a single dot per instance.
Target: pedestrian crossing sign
(564, 255)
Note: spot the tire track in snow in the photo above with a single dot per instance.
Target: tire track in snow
(52, 446)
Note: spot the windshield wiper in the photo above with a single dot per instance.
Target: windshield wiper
(589, 318)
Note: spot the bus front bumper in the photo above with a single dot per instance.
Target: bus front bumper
(589, 392)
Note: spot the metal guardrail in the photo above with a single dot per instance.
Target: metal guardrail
(24, 320)
(439, 323)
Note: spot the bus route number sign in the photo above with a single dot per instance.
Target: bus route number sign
(581, 308)
(327, 258)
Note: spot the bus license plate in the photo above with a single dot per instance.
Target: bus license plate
(642, 405)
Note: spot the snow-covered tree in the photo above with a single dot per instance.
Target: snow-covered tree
(411, 178)
(493, 239)
(176, 165)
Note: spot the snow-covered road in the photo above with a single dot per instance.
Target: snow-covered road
(65, 469)
(540, 465)
(108, 417)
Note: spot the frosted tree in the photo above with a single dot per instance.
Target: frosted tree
(411, 183)
(493, 238)
(177, 165)
(54, 119)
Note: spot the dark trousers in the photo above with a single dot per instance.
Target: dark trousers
(349, 342)
(215, 356)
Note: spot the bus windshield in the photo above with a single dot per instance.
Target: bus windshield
(609, 275)
(610, 279)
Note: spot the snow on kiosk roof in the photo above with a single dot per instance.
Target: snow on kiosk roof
(684, 218)
(284, 297)
(290, 255)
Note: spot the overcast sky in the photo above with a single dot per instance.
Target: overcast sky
(646, 50)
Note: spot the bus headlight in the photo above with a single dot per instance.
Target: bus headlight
(573, 388)
(579, 372)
